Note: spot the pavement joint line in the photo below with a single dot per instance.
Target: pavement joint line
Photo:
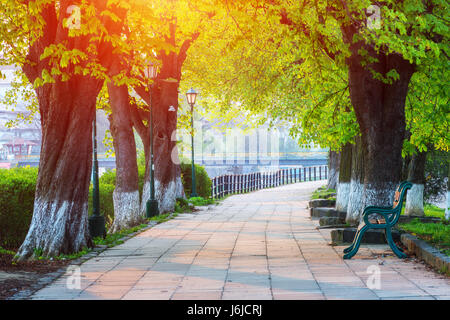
(267, 252)
(304, 258)
(268, 248)
(94, 253)
(231, 254)
(196, 255)
(149, 268)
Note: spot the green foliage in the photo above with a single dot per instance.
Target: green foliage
(203, 182)
(114, 239)
(324, 193)
(73, 255)
(436, 175)
(433, 211)
(8, 252)
(438, 234)
(106, 202)
(17, 188)
(182, 205)
(200, 201)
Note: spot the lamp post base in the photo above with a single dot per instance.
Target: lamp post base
(152, 209)
(97, 226)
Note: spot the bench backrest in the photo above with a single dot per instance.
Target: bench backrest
(400, 193)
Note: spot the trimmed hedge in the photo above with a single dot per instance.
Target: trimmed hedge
(17, 189)
(106, 202)
(203, 182)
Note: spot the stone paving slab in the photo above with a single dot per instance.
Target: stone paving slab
(257, 246)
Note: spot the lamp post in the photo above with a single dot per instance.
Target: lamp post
(96, 221)
(191, 95)
(152, 204)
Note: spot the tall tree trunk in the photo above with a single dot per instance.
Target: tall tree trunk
(356, 198)
(416, 175)
(60, 216)
(333, 166)
(345, 171)
(126, 193)
(168, 186)
(447, 208)
(380, 112)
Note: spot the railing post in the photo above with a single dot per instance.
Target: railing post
(239, 183)
(223, 186)
(315, 178)
(233, 184)
(259, 181)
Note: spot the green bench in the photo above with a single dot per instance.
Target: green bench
(387, 218)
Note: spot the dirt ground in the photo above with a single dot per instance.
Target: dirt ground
(16, 277)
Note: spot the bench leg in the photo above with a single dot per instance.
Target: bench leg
(348, 249)
(353, 249)
(398, 252)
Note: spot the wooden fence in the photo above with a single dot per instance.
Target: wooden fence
(242, 183)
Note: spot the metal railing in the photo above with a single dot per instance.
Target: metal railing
(242, 183)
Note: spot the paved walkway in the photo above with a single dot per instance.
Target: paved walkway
(261, 245)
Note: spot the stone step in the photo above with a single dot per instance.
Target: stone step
(315, 203)
(371, 236)
(326, 212)
(330, 221)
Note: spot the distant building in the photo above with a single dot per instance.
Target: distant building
(24, 140)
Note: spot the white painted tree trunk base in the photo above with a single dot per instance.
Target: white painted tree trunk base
(355, 206)
(414, 201)
(166, 196)
(447, 208)
(52, 230)
(342, 197)
(126, 210)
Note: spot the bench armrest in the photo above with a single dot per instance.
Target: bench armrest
(373, 209)
(384, 214)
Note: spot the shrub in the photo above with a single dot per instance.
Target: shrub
(17, 189)
(109, 177)
(203, 182)
(106, 202)
(436, 175)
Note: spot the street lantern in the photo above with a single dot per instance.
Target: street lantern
(152, 209)
(151, 71)
(191, 96)
(96, 220)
